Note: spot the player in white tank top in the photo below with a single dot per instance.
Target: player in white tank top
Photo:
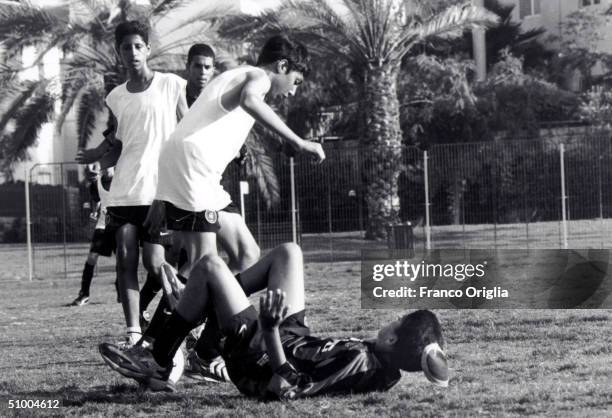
(210, 135)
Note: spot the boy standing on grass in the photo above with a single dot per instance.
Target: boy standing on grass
(102, 242)
(145, 109)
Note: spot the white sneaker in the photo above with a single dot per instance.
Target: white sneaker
(210, 371)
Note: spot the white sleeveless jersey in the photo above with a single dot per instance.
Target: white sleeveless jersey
(144, 121)
(101, 223)
(205, 141)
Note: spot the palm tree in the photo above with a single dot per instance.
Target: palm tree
(90, 68)
(372, 37)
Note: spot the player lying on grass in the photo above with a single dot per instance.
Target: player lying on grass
(272, 355)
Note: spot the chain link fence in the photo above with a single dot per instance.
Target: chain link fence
(503, 194)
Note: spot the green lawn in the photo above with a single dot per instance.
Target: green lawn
(511, 362)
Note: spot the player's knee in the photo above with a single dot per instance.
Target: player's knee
(125, 259)
(209, 264)
(153, 265)
(250, 255)
(289, 251)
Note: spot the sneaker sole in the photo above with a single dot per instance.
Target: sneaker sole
(156, 385)
(109, 356)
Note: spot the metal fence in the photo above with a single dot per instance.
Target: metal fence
(507, 194)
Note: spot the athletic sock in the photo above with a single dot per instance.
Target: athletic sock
(149, 290)
(208, 346)
(172, 335)
(88, 271)
(134, 334)
(160, 317)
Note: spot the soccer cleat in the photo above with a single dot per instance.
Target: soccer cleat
(80, 300)
(138, 363)
(213, 371)
(435, 365)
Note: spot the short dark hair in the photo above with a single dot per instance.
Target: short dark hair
(132, 27)
(200, 49)
(280, 47)
(417, 330)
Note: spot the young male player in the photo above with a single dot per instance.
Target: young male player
(204, 361)
(189, 194)
(102, 242)
(145, 108)
(273, 355)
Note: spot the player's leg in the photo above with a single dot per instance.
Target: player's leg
(86, 277)
(235, 238)
(127, 252)
(238, 242)
(196, 245)
(282, 268)
(212, 282)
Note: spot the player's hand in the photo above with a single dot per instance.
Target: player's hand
(155, 217)
(315, 149)
(173, 287)
(87, 156)
(272, 309)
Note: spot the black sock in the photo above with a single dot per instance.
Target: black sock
(208, 345)
(172, 335)
(149, 290)
(88, 271)
(160, 317)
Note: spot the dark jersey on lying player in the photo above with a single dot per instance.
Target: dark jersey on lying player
(320, 366)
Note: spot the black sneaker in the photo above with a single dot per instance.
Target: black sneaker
(81, 300)
(138, 363)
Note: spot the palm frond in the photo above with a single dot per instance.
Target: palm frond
(72, 89)
(22, 93)
(260, 166)
(91, 104)
(162, 7)
(24, 21)
(28, 123)
(451, 22)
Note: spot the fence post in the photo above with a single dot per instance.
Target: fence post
(427, 204)
(563, 196)
(64, 219)
(293, 205)
(28, 222)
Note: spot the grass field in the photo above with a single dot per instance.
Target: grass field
(504, 363)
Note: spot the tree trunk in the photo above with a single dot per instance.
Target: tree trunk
(381, 145)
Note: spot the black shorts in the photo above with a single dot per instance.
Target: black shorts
(178, 219)
(231, 208)
(102, 242)
(244, 350)
(117, 216)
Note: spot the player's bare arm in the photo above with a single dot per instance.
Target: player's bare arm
(251, 100)
(108, 150)
(181, 107)
(272, 312)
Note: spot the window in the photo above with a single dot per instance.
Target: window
(585, 3)
(529, 8)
